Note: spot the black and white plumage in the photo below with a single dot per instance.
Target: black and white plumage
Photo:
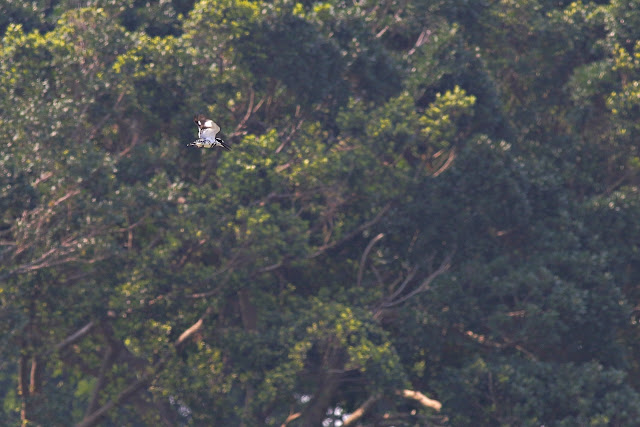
(207, 131)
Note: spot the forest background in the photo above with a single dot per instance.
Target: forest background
(429, 215)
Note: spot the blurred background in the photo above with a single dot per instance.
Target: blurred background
(429, 215)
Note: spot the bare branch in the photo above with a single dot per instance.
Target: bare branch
(487, 342)
(193, 328)
(267, 268)
(351, 235)
(381, 32)
(365, 254)
(359, 413)
(422, 39)
(66, 197)
(42, 262)
(444, 266)
(412, 273)
(409, 394)
(247, 115)
(447, 163)
(421, 398)
(44, 176)
(204, 294)
(294, 129)
(291, 418)
(75, 337)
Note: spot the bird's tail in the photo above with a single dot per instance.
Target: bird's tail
(223, 144)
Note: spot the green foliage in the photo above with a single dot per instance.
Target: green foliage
(291, 50)
(423, 200)
(584, 395)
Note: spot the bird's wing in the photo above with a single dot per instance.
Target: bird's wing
(202, 122)
(210, 132)
(210, 124)
(207, 128)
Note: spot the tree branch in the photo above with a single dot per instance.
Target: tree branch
(193, 328)
(294, 130)
(359, 413)
(132, 389)
(291, 418)
(412, 273)
(147, 376)
(75, 337)
(422, 39)
(420, 398)
(248, 113)
(354, 233)
(23, 387)
(409, 394)
(446, 264)
(365, 254)
(107, 362)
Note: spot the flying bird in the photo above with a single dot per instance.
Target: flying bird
(207, 131)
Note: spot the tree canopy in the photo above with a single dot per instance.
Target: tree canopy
(428, 216)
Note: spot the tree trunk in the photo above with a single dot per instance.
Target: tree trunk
(316, 410)
(23, 388)
(249, 315)
(248, 311)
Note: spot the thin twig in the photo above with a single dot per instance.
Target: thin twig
(446, 264)
(75, 337)
(354, 233)
(365, 254)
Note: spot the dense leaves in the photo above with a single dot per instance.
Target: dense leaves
(427, 217)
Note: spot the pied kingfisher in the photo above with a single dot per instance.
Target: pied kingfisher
(207, 131)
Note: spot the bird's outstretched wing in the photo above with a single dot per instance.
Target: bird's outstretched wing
(207, 128)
